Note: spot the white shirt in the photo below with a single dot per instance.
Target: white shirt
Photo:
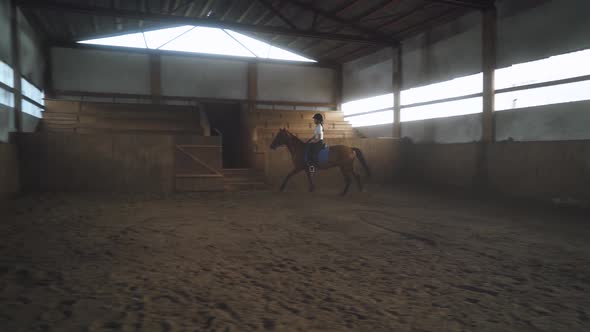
(318, 133)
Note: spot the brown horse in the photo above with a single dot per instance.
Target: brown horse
(340, 156)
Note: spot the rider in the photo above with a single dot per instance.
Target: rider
(316, 143)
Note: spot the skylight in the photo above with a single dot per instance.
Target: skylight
(196, 39)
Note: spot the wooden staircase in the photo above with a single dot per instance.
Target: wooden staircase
(239, 179)
(264, 124)
(93, 118)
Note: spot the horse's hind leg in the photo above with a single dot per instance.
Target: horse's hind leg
(357, 178)
(310, 181)
(346, 173)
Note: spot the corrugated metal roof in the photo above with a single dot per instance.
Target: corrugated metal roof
(384, 21)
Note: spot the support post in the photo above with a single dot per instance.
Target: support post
(489, 67)
(338, 88)
(48, 72)
(397, 87)
(15, 48)
(252, 85)
(156, 78)
(488, 45)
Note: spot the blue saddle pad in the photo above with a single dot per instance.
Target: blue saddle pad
(323, 156)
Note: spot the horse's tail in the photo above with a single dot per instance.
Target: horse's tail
(361, 158)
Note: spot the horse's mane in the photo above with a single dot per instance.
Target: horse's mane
(293, 136)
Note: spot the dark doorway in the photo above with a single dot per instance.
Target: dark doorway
(225, 121)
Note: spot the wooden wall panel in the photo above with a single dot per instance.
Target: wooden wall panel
(542, 170)
(90, 117)
(101, 162)
(9, 170)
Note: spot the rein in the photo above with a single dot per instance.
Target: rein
(292, 143)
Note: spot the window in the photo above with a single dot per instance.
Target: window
(200, 40)
(6, 98)
(555, 94)
(31, 92)
(368, 104)
(369, 111)
(555, 68)
(457, 87)
(546, 70)
(467, 92)
(6, 74)
(6, 78)
(31, 109)
(371, 119)
(444, 109)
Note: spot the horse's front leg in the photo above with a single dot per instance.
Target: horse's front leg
(310, 181)
(293, 172)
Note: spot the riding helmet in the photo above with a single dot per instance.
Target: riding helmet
(318, 117)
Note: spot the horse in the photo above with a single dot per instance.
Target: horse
(339, 156)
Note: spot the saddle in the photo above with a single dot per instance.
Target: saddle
(322, 154)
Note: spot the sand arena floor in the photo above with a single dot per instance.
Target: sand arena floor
(386, 261)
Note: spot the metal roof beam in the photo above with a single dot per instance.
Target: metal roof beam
(371, 10)
(205, 22)
(278, 13)
(466, 3)
(349, 23)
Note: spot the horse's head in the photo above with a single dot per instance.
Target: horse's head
(280, 139)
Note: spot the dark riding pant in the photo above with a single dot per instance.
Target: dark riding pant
(313, 151)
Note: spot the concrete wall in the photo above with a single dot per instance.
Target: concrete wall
(454, 50)
(187, 76)
(32, 59)
(527, 30)
(32, 64)
(546, 29)
(428, 58)
(9, 171)
(5, 46)
(557, 122)
(5, 128)
(368, 76)
(442, 164)
(100, 71)
(382, 155)
(295, 83)
(378, 131)
(455, 129)
(198, 77)
(101, 162)
(568, 121)
(541, 169)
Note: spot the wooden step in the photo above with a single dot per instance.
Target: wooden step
(240, 173)
(239, 179)
(304, 132)
(269, 115)
(245, 186)
(60, 116)
(299, 124)
(304, 128)
(141, 115)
